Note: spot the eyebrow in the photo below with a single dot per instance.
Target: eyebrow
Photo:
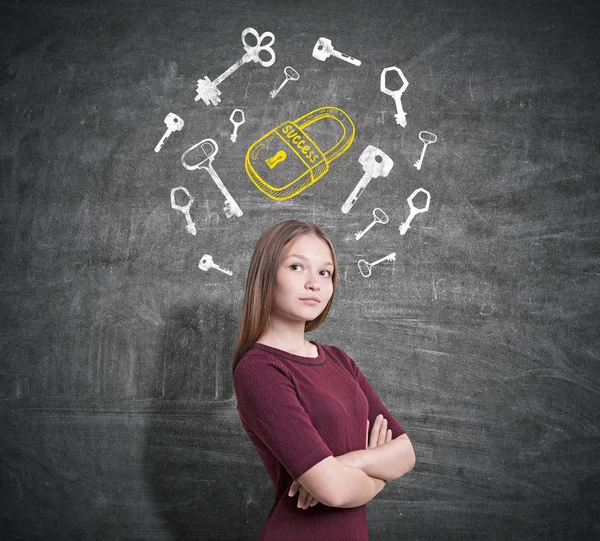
(299, 256)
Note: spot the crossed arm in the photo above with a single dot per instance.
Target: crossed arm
(387, 462)
(355, 478)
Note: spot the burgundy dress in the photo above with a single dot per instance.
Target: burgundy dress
(298, 411)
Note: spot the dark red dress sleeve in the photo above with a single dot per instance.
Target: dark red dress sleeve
(269, 406)
(375, 405)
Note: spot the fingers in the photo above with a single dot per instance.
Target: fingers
(382, 432)
(379, 433)
(306, 499)
(293, 488)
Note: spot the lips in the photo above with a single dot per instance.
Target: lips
(310, 299)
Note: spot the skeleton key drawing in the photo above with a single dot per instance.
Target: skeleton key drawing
(290, 75)
(174, 123)
(379, 217)
(404, 227)
(427, 138)
(231, 208)
(396, 94)
(191, 226)
(207, 90)
(323, 49)
(236, 123)
(376, 163)
(206, 263)
(365, 268)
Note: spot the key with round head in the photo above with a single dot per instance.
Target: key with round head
(427, 138)
(323, 49)
(174, 123)
(236, 123)
(210, 148)
(404, 227)
(379, 217)
(207, 90)
(376, 163)
(207, 263)
(396, 94)
(191, 226)
(365, 268)
(290, 75)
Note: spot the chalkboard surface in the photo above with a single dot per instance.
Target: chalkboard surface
(118, 414)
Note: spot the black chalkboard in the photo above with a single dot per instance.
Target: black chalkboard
(118, 414)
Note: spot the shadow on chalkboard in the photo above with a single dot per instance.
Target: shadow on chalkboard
(196, 353)
(196, 476)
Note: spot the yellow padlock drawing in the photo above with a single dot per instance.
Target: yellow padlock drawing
(286, 160)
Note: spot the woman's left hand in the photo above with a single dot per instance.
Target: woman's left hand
(305, 498)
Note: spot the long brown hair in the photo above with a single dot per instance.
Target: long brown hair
(258, 298)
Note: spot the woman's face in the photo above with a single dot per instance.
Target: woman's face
(304, 272)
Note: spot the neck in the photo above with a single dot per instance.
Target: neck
(288, 336)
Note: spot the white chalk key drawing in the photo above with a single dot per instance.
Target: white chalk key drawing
(206, 263)
(379, 217)
(365, 268)
(207, 90)
(396, 94)
(236, 123)
(191, 226)
(323, 49)
(210, 148)
(174, 123)
(376, 163)
(427, 138)
(405, 226)
(290, 75)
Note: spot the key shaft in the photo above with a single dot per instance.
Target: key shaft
(419, 162)
(405, 226)
(345, 57)
(360, 234)
(275, 92)
(233, 68)
(231, 207)
(225, 271)
(387, 257)
(236, 125)
(400, 114)
(163, 139)
(191, 226)
(358, 189)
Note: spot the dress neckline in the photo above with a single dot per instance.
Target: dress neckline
(319, 359)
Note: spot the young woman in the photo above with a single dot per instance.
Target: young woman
(306, 405)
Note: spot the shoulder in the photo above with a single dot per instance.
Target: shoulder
(337, 354)
(256, 363)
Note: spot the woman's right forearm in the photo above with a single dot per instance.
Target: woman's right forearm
(360, 488)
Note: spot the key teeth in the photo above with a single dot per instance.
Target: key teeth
(401, 119)
(231, 211)
(207, 91)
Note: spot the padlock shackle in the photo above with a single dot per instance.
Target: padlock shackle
(337, 114)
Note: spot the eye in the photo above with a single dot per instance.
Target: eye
(294, 265)
(328, 273)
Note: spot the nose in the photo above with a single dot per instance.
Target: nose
(312, 283)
